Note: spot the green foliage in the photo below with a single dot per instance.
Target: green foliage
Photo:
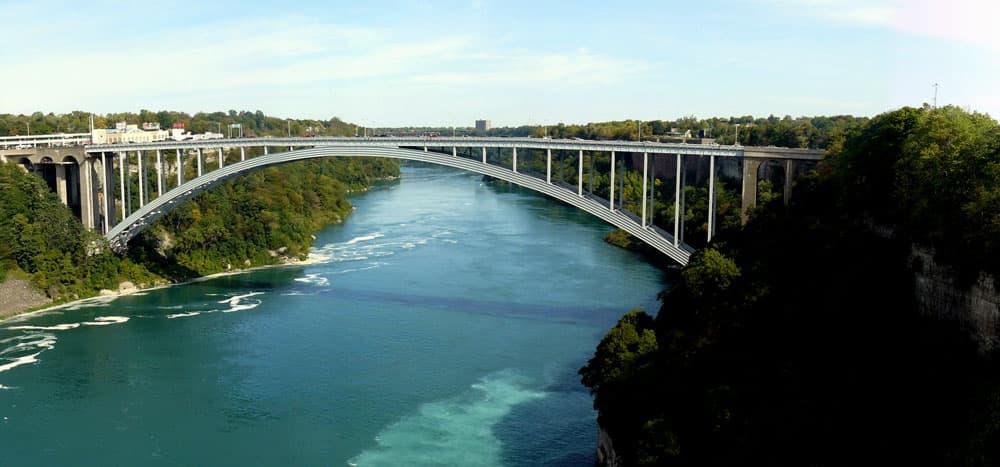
(621, 352)
(259, 218)
(40, 237)
(797, 340)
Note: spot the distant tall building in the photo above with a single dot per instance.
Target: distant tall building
(483, 125)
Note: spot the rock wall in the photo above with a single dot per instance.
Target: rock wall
(606, 454)
(976, 307)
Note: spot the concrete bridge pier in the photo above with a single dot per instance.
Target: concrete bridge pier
(61, 184)
(789, 166)
(107, 192)
(749, 201)
(88, 194)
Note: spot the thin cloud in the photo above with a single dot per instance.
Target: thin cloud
(972, 22)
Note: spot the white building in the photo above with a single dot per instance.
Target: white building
(124, 133)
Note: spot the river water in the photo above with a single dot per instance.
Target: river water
(441, 324)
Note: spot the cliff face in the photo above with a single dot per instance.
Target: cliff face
(938, 293)
(606, 454)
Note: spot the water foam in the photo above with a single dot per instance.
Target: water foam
(58, 327)
(93, 302)
(183, 315)
(314, 279)
(364, 238)
(457, 431)
(106, 320)
(17, 355)
(236, 303)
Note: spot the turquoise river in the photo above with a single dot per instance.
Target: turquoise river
(442, 324)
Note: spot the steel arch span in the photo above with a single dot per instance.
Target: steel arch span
(124, 231)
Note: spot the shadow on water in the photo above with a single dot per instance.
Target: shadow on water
(555, 438)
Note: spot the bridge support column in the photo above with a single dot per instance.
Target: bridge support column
(243, 153)
(180, 169)
(265, 150)
(159, 173)
(711, 197)
(621, 187)
(140, 155)
(222, 159)
(579, 176)
(749, 201)
(548, 166)
(110, 212)
(789, 167)
(590, 186)
(61, 184)
(484, 154)
(199, 162)
(611, 186)
(87, 194)
(454, 151)
(652, 191)
(122, 162)
(515, 160)
(677, 200)
(107, 205)
(645, 176)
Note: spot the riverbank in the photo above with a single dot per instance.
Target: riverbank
(19, 299)
(18, 296)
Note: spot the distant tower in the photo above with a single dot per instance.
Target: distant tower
(483, 125)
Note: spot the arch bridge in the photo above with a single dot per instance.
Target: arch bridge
(563, 169)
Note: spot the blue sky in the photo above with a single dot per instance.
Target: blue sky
(410, 62)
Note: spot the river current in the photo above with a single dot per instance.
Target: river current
(441, 324)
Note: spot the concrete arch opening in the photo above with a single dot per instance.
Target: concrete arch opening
(68, 184)
(771, 178)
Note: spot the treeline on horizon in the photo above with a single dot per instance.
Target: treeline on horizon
(798, 339)
(800, 132)
(253, 123)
